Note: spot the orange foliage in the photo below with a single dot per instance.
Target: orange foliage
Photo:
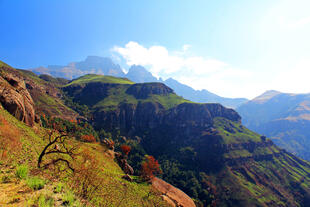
(9, 139)
(87, 179)
(73, 121)
(88, 138)
(125, 149)
(150, 167)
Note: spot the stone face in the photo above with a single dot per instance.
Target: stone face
(174, 194)
(16, 99)
(122, 161)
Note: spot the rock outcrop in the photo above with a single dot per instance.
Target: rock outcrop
(122, 161)
(172, 194)
(16, 99)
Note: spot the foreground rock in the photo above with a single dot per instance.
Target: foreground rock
(15, 98)
(172, 194)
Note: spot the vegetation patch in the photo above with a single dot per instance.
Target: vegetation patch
(99, 78)
(35, 183)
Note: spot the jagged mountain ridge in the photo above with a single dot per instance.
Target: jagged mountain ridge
(92, 64)
(139, 74)
(136, 73)
(282, 116)
(204, 143)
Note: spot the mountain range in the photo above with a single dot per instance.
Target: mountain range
(203, 149)
(92, 64)
(284, 117)
(136, 73)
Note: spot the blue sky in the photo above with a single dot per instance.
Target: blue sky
(234, 48)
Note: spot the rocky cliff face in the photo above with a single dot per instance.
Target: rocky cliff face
(15, 98)
(148, 115)
(27, 96)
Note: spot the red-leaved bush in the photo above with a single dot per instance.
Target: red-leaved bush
(88, 138)
(150, 167)
(125, 149)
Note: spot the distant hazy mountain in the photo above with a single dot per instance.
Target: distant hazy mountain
(92, 64)
(139, 74)
(202, 96)
(283, 117)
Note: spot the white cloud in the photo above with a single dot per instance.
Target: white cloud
(186, 47)
(196, 71)
(294, 79)
(164, 63)
(294, 23)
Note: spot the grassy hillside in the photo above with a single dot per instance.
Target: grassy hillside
(84, 91)
(25, 143)
(99, 78)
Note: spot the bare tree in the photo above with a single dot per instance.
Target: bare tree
(58, 144)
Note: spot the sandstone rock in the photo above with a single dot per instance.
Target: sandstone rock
(173, 193)
(16, 99)
(124, 164)
(168, 200)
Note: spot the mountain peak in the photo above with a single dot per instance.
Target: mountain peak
(140, 74)
(266, 96)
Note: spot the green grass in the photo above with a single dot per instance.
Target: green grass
(35, 183)
(114, 188)
(68, 198)
(168, 101)
(99, 78)
(240, 133)
(45, 201)
(59, 187)
(118, 95)
(22, 172)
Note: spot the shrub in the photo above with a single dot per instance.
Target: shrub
(150, 167)
(22, 172)
(87, 180)
(35, 183)
(125, 149)
(88, 138)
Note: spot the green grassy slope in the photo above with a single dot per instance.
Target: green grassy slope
(99, 78)
(116, 191)
(116, 94)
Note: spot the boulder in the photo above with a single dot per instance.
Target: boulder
(174, 194)
(15, 98)
(124, 164)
